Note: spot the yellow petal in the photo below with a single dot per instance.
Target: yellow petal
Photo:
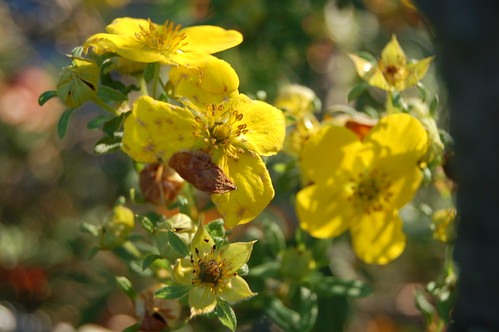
(236, 254)
(212, 81)
(265, 125)
(128, 48)
(127, 26)
(254, 189)
(210, 39)
(404, 182)
(236, 290)
(331, 151)
(398, 135)
(202, 242)
(201, 300)
(155, 130)
(377, 237)
(393, 54)
(182, 272)
(324, 211)
(416, 71)
(370, 72)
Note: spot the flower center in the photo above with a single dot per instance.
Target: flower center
(165, 39)
(393, 74)
(210, 272)
(220, 128)
(370, 191)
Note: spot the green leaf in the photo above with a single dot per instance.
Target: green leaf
(96, 123)
(113, 125)
(423, 91)
(62, 126)
(93, 252)
(177, 244)
(149, 260)
(243, 270)
(146, 223)
(107, 93)
(216, 228)
(107, 144)
(226, 315)
(90, 228)
(328, 286)
(46, 96)
(265, 270)
(77, 52)
(149, 71)
(367, 56)
(424, 306)
(126, 286)
(308, 308)
(172, 292)
(357, 90)
(275, 238)
(286, 318)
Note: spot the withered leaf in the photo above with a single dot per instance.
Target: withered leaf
(197, 168)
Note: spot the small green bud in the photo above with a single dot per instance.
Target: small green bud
(297, 263)
(78, 82)
(116, 230)
(180, 224)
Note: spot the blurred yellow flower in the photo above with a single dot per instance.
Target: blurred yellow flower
(233, 134)
(361, 185)
(443, 224)
(144, 41)
(393, 72)
(212, 272)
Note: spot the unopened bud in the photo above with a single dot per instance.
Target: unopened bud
(78, 83)
(116, 230)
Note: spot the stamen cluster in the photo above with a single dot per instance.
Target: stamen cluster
(167, 39)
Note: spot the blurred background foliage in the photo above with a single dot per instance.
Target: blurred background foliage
(48, 186)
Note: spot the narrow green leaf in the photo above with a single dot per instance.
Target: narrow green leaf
(93, 252)
(62, 126)
(95, 123)
(111, 126)
(149, 260)
(357, 90)
(275, 238)
(226, 315)
(265, 270)
(286, 318)
(46, 96)
(126, 286)
(146, 223)
(107, 144)
(328, 286)
(77, 52)
(107, 93)
(423, 91)
(367, 56)
(89, 228)
(177, 244)
(149, 71)
(172, 292)
(308, 308)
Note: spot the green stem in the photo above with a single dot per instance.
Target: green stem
(389, 104)
(104, 105)
(143, 86)
(155, 79)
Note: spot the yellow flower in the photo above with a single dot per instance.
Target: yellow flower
(233, 134)
(212, 272)
(361, 185)
(141, 40)
(296, 100)
(393, 72)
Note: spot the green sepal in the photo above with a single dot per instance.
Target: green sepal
(367, 56)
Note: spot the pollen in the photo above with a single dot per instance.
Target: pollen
(166, 39)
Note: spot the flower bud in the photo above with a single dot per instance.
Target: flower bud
(78, 83)
(116, 230)
(297, 263)
(297, 100)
